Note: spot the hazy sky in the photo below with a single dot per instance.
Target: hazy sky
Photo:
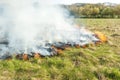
(83, 1)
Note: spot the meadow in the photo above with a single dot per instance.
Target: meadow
(101, 62)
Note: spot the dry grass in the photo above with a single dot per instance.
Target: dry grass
(100, 62)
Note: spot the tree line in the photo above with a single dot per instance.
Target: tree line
(95, 10)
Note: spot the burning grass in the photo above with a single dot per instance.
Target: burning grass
(100, 62)
(58, 48)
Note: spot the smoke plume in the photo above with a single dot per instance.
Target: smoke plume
(27, 25)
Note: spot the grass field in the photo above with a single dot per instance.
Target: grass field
(100, 62)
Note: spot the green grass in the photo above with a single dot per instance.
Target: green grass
(100, 62)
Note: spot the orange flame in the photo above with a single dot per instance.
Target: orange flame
(101, 36)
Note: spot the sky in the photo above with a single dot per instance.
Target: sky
(84, 1)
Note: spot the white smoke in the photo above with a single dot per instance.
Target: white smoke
(27, 24)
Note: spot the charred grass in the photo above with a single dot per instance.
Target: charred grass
(100, 62)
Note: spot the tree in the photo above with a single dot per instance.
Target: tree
(107, 12)
(95, 11)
